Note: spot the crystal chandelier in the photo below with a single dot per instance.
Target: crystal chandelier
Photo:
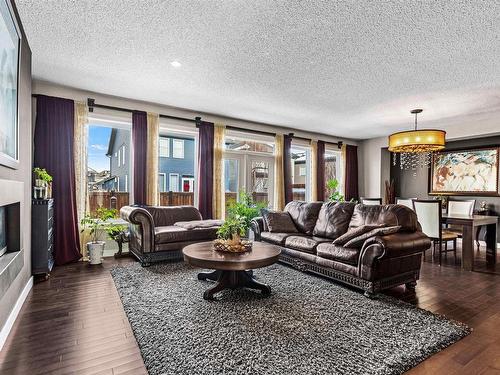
(414, 147)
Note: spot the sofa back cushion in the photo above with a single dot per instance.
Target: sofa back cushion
(389, 215)
(304, 215)
(333, 219)
(279, 222)
(165, 216)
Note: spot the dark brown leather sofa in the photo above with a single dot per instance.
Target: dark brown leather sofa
(381, 262)
(154, 237)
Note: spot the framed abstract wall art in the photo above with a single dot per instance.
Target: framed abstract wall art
(465, 172)
(9, 74)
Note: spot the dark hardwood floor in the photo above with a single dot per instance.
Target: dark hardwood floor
(75, 324)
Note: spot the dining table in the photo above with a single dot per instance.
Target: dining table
(470, 224)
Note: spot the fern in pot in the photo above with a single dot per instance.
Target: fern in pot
(97, 224)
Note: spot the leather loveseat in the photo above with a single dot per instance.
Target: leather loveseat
(160, 233)
(377, 263)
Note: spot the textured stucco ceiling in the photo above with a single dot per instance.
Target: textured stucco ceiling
(351, 68)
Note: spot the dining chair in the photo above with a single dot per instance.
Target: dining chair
(460, 207)
(371, 201)
(405, 202)
(429, 216)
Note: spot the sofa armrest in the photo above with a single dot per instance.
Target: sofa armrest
(257, 227)
(392, 246)
(144, 237)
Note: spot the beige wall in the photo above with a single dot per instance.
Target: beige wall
(22, 174)
(372, 172)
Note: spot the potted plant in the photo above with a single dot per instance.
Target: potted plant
(333, 190)
(232, 230)
(43, 183)
(245, 208)
(97, 224)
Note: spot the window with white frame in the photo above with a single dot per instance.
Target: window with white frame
(125, 188)
(123, 155)
(162, 182)
(333, 168)
(178, 148)
(164, 147)
(173, 182)
(119, 157)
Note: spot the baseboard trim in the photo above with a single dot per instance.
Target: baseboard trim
(4, 333)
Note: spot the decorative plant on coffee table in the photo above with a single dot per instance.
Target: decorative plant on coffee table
(97, 223)
(245, 207)
(230, 233)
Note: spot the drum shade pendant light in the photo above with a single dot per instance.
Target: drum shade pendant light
(414, 147)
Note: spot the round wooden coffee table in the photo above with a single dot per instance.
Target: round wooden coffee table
(232, 270)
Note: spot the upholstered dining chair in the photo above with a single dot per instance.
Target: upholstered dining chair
(429, 216)
(371, 201)
(405, 202)
(460, 207)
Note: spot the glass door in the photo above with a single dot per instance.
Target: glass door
(250, 173)
(260, 173)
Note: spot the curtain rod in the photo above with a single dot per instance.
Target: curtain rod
(91, 104)
(197, 120)
(338, 144)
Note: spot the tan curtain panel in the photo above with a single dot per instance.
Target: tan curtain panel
(153, 134)
(219, 198)
(314, 170)
(80, 158)
(279, 181)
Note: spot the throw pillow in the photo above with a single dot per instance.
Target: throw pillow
(355, 232)
(360, 240)
(280, 222)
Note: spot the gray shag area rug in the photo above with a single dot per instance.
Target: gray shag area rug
(308, 325)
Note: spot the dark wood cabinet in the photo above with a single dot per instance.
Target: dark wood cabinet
(42, 236)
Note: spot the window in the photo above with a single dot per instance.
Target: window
(164, 147)
(173, 182)
(117, 183)
(119, 158)
(301, 172)
(177, 165)
(187, 184)
(178, 148)
(125, 188)
(123, 155)
(333, 168)
(162, 182)
(238, 141)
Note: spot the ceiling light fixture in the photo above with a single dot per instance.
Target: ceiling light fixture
(176, 64)
(414, 147)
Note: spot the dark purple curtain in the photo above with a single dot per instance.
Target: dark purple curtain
(140, 143)
(287, 167)
(53, 150)
(205, 168)
(351, 172)
(320, 164)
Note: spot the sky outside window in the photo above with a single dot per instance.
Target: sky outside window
(97, 147)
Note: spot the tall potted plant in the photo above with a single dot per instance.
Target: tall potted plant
(97, 224)
(245, 208)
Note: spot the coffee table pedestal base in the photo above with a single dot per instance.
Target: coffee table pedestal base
(231, 280)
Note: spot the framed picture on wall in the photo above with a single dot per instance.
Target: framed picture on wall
(9, 76)
(465, 172)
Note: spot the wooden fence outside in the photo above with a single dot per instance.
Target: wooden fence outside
(119, 199)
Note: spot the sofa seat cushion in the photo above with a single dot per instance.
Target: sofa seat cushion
(338, 253)
(276, 238)
(333, 219)
(303, 243)
(173, 233)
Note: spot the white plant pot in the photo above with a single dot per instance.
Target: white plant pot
(96, 251)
